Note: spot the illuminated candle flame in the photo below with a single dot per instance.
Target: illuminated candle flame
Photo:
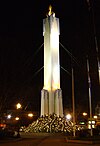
(50, 10)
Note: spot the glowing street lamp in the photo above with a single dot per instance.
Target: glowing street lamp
(18, 106)
(9, 116)
(95, 117)
(30, 115)
(68, 116)
(17, 118)
(84, 114)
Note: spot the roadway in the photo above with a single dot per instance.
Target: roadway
(41, 139)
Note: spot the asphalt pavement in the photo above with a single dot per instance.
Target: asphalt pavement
(43, 139)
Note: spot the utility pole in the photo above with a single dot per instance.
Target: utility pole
(73, 102)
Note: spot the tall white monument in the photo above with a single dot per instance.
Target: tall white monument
(51, 94)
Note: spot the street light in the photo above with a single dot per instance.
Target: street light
(18, 105)
(68, 116)
(30, 115)
(17, 118)
(9, 116)
(84, 114)
(95, 117)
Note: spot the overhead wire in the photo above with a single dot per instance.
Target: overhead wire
(74, 59)
(65, 70)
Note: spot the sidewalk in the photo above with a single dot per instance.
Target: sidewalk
(6, 140)
(82, 141)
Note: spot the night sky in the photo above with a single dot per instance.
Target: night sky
(21, 51)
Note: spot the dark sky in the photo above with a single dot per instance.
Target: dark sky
(21, 57)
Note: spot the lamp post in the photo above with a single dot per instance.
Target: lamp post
(90, 8)
(18, 106)
(90, 104)
(73, 103)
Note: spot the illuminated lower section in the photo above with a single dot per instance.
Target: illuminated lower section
(51, 102)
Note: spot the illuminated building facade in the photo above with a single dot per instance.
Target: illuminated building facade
(51, 94)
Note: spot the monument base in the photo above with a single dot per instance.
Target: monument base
(51, 123)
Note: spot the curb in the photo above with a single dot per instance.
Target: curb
(82, 141)
(10, 140)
